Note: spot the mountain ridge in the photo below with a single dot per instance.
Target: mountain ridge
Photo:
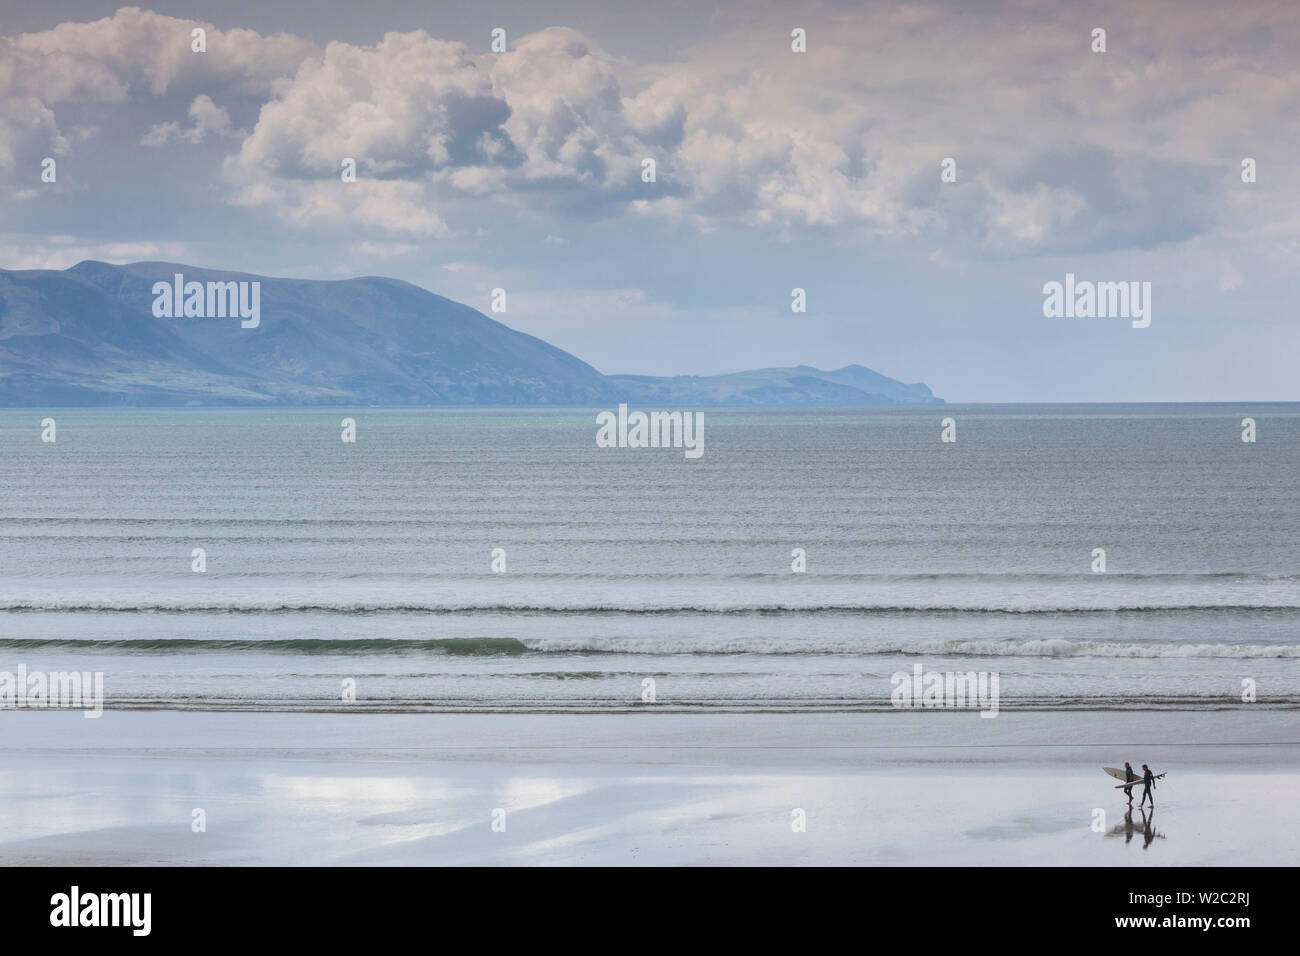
(88, 336)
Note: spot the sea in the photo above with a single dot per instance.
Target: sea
(1092, 557)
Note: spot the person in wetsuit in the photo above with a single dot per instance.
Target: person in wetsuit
(1131, 777)
(1149, 784)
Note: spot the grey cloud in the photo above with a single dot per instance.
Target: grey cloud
(134, 53)
(1059, 149)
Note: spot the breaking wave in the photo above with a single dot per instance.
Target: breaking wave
(667, 647)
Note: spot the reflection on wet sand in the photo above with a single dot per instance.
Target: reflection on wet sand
(1145, 826)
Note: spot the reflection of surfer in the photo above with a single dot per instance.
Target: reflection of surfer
(1149, 828)
(1131, 777)
(1149, 782)
(1131, 827)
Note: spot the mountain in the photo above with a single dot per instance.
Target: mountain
(801, 385)
(88, 336)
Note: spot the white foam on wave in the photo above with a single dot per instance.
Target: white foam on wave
(1036, 648)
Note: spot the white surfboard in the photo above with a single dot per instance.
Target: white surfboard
(1138, 781)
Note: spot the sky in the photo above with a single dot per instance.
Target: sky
(774, 170)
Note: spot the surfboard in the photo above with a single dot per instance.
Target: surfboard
(1118, 774)
(1138, 781)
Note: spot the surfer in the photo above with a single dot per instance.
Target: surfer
(1131, 777)
(1149, 781)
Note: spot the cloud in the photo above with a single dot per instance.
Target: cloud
(401, 108)
(208, 117)
(389, 208)
(62, 252)
(567, 117)
(533, 124)
(1058, 149)
(381, 250)
(146, 51)
(133, 54)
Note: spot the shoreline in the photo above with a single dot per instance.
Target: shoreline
(670, 789)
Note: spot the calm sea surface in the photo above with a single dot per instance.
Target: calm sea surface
(372, 562)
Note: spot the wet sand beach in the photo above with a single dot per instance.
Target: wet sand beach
(652, 789)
